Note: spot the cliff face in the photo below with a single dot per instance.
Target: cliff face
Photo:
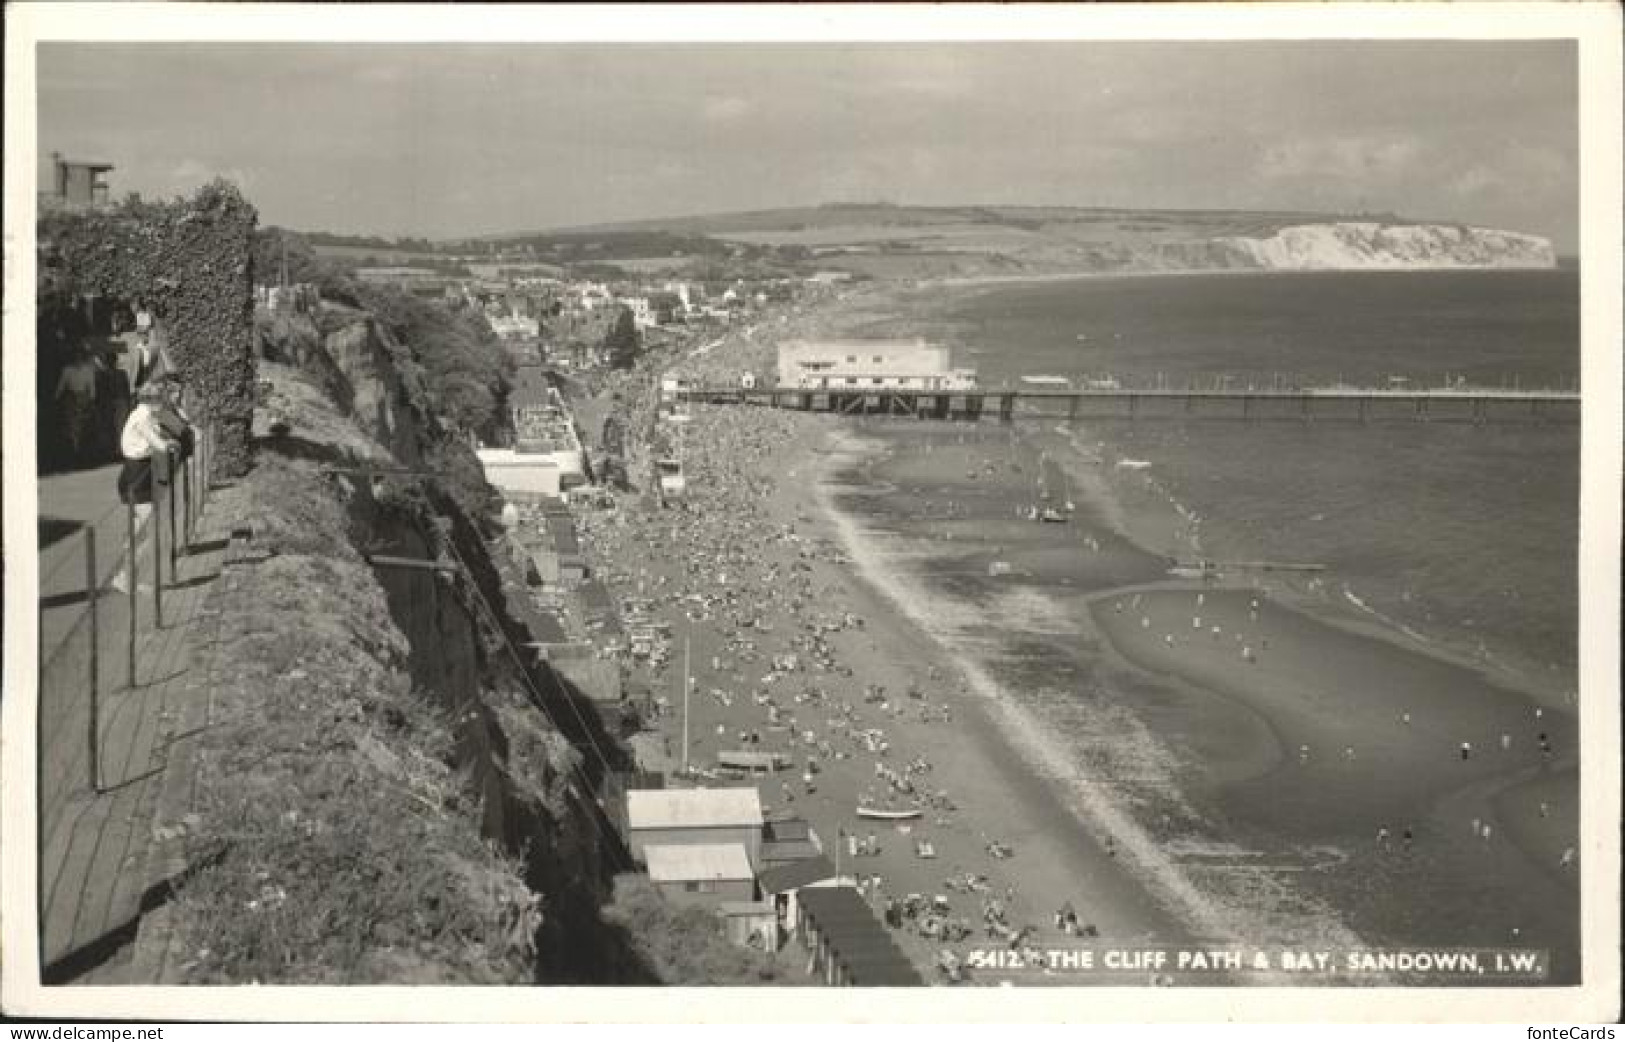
(511, 727)
(1363, 245)
(519, 728)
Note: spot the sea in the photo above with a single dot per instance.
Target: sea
(1457, 539)
(1465, 533)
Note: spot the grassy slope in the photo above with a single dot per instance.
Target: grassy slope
(338, 845)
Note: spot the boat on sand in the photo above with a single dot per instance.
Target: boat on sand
(885, 814)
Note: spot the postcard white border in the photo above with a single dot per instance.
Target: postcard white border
(1596, 27)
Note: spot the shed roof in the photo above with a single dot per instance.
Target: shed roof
(693, 862)
(782, 827)
(794, 875)
(693, 808)
(856, 938)
(777, 851)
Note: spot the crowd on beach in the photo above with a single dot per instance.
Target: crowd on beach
(780, 659)
(757, 613)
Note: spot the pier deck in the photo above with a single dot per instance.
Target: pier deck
(1320, 403)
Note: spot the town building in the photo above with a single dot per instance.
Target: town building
(546, 458)
(870, 365)
(514, 326)
(675, 817)
(75, 183)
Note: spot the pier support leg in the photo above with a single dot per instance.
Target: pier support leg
(1007, 408)
(1072, 408)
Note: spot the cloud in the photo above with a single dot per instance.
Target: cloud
(1342, 158)
(725, 109)
(188, 175)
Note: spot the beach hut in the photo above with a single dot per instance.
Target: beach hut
(701, 873)
(847, 945)
(751, 922)
(786, 839)
(672, 817)
(782, 884)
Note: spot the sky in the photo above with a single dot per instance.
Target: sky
(446, 140)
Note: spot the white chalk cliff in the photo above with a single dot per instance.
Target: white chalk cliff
(1369, 245)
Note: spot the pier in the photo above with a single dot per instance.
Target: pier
(1362, 405)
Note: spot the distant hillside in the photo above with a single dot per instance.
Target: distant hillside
(883, 240)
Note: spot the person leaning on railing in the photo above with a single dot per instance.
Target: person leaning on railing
(153, 427)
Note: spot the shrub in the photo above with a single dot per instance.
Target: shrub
(192, 262)
(683, 945)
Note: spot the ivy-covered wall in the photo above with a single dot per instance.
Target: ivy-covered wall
(191, 262)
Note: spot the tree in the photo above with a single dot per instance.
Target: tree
(622, 343)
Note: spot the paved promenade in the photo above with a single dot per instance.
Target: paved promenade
(95, 848)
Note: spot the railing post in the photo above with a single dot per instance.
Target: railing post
(169, 493)
(135, 584)
(94, 731)
(186, 497)
(156, 523)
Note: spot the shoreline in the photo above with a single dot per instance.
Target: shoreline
(1366, 654)
(974, 281)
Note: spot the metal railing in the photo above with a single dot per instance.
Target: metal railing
(78, 651)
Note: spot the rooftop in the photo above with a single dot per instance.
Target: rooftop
(693, 808)
(688, 862)
(856, 939)
(797, 874)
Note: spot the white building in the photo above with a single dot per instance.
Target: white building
(675, 817)
(643, 313)
(522, 475)
(870, 365)
(672, 386)
(514, 325)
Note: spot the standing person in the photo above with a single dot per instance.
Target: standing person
(143, 436)
(75, 399)
(148, 359)
(172, 417)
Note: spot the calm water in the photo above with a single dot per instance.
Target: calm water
(1465, 535)
(1461, 532)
